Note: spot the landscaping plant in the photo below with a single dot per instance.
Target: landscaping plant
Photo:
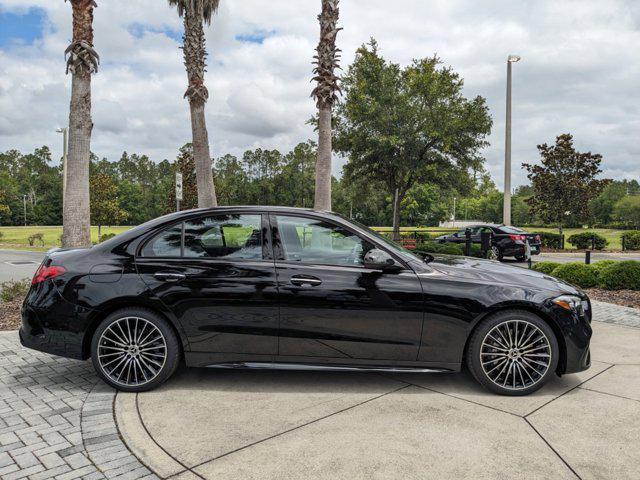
(577, 273)
(584, 241)
(630, 240)
(546, 267)
(620, 276)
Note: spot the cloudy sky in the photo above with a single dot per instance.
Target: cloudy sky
(580, 71)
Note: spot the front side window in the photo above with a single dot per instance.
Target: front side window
(237, 237)
(166, 244)
(308, 240)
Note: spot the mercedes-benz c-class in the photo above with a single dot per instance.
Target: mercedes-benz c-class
(276, 287)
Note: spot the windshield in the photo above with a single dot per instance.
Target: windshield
(390, 243)
(511, 230)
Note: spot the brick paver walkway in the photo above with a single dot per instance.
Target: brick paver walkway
(56, 418)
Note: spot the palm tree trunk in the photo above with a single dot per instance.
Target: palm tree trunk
(194, 58)
(82, 62)
(204, 175)
(76, 230)
(323, 165)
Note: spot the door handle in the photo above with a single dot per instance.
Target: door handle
(169, 276)
(300, 280)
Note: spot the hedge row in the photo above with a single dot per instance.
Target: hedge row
(448, 248)
(606, 274)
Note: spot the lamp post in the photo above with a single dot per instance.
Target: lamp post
(64, 131)
(506, 212)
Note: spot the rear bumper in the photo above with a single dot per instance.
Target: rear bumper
(50, 324)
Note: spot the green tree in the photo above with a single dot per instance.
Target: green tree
(105, 206)
(565, 183)
(627, 211)
(402, 126)
(602, 206)
(186, 165)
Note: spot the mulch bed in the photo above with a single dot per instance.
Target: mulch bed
(10, 314)
(626, 298)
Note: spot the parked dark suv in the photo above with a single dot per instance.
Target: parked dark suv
(274, 287)
(505, 241)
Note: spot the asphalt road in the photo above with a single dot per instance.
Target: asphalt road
(17, 264)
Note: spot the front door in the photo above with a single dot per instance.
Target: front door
(216, 274)
(333, 308)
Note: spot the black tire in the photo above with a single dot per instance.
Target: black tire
(504, 319)
(167, 345)
(520, 257)
(495, 253)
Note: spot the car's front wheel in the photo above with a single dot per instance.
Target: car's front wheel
(513, 352)
(135, 350)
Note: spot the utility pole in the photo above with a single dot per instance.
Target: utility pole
(64, 131)
(506, 212)
(24, 203)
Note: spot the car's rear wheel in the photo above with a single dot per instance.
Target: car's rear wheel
(513, 353)
(135, 350)
(494, 253)
(520, 257)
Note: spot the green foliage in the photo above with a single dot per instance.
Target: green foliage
(405, 126)
(631, 240)
(107, 236)
(445, 248)
(546, 267)
(550, 240)
(620, 275)
(627, 211)
(13, 290)
(577, 273)
(602, 206)
(1, 236)
(565, 184)
(105, 205)
(36, 237)
(584, 240)
(602, 264)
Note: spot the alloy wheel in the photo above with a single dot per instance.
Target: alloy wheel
(515, 354)
(132, 351)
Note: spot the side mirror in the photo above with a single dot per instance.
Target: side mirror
(377, 259)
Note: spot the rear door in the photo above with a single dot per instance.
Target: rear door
(335, 310)
(216, 274)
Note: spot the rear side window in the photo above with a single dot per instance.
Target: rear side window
(166, 244)
(237, 237)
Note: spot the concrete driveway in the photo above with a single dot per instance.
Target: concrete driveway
(288, 425)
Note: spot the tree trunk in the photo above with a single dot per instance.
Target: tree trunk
(323, 163)
(396, 216)
(76, 230)
(202, 157)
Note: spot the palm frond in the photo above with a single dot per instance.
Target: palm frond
(327, 56)
(204, 8)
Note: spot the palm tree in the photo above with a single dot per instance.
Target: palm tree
(194, 13)
(325, 93)
(82, 61)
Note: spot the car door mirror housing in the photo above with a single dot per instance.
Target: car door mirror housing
(380, 260)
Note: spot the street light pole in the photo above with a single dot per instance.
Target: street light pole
(506, 212)
(64, 131)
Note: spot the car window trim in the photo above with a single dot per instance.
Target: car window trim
(278, 257)
(150, 236)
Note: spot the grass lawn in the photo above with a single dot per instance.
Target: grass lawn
(613, 236)
(17, 237)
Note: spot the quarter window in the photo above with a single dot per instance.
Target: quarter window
(165, 244)
(313, 241)
(224, 237)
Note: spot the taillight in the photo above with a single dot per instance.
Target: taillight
(515, 238)
(523, 237)
(44, 273)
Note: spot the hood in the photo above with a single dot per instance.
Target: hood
(493, 272)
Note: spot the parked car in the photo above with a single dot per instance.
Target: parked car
(505, 241)
(275, 287)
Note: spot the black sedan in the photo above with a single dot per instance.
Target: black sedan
(273, 287)
(505, 241)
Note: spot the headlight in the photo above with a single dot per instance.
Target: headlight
(570, 303)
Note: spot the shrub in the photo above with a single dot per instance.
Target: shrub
(107, 236)
(36, 237)
(13, 290)
(424, 236)
(446, 248)
(620, 275)
(546, 267)
(550, 240)
(630, 240)
(584, 240)
(577, 273)
(602, 264)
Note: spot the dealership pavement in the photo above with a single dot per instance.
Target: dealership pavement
(58, 421)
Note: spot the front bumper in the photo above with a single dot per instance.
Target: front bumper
(576, 334)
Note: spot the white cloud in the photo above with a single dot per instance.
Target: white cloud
(578, 73)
